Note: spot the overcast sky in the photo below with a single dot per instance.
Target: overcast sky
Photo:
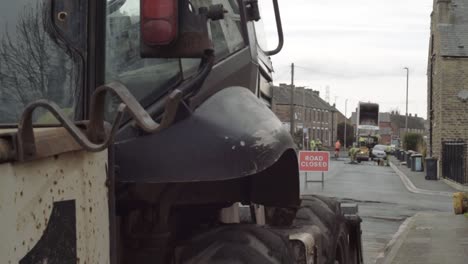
(357, 48)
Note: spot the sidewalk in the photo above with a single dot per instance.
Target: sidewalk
(431, 238)
(416, 182)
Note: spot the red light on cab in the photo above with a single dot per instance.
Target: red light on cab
(158, 21)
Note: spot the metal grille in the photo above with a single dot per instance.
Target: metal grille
(454, 165)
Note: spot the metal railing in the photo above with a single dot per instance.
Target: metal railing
(454, 161)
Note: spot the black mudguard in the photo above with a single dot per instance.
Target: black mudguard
(231, 135)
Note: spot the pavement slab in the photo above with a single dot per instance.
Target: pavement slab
(432, 238)
(384, 202)
(419, 180)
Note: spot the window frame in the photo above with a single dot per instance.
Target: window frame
(243, 31)
(97, 22)
(82, 54)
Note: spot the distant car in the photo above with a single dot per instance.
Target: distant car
(379, 152)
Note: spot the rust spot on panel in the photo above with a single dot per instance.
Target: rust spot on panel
(55, 182)
(24, 243)
(40, 200)
(90, 209)
(21, 193)
(38, 226)
(61, 171)
(51, 190)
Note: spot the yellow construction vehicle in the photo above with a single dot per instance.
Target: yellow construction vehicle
(140, 131)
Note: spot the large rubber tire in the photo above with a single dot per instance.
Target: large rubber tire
(325, 213)
(239, 244)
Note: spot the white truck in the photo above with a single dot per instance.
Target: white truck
(367, 128)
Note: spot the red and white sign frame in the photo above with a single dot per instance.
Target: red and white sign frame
(314, 161)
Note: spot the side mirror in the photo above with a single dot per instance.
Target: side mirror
(172, 29)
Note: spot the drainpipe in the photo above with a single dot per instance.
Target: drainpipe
(431, 112)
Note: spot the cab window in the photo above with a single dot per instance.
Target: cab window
(226, 33)
(37, 60)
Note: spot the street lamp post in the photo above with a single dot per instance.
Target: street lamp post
(346, 121)
(292, 109)
(407, 84)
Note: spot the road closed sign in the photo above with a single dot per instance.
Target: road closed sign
(314, 160)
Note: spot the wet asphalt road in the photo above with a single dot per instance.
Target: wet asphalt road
(384, 203)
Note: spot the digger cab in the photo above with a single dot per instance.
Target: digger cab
(120, 118)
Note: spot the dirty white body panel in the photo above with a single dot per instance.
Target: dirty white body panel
(41, 201)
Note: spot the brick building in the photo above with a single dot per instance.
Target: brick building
(341, 120)
(312, 114)
(385, 126)
(416, 125)
(448, 77)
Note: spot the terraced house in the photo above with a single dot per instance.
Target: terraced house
(312, 114)
(448, 88)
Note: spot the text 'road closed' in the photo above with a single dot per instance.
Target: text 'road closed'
(314, 160)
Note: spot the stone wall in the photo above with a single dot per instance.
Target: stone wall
(447, 76)
(450, 120)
